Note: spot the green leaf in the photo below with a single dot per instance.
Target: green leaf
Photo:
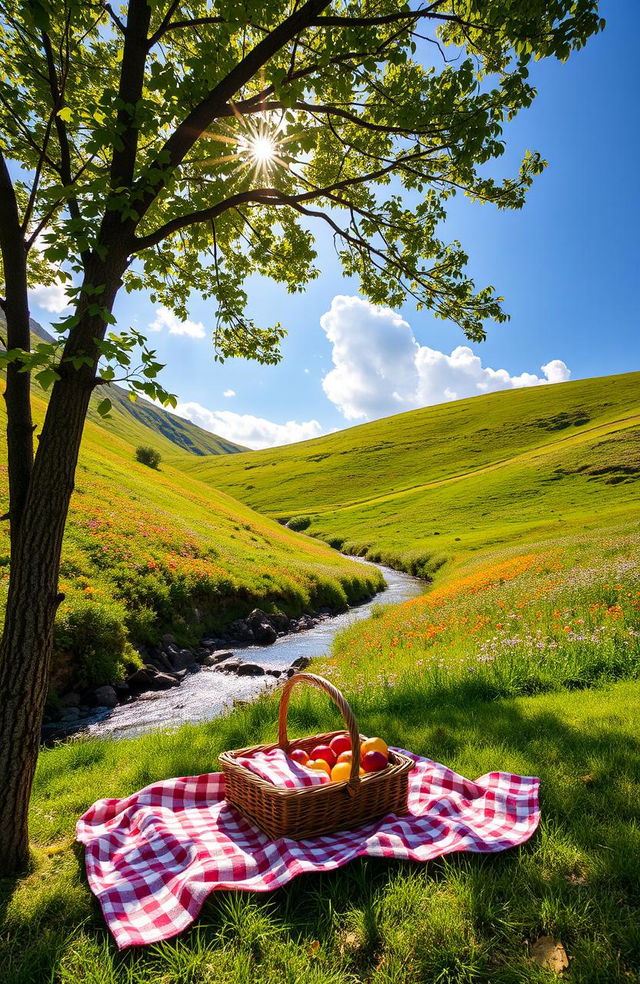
(104, 407)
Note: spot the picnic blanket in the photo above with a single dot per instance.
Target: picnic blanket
(153, 858)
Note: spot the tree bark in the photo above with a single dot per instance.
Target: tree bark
(17, 393)
(25, 649)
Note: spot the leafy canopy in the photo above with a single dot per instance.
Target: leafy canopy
(251, 124)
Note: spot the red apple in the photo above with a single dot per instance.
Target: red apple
(341, 743)
(299, 755)
(374, 761)
(326, 753)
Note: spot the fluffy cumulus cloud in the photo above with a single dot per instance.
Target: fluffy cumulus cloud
(53, 298)
(229, 393)
(243, 428)
(167, 319)
(380, 368)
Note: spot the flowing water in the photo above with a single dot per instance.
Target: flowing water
(209, 693)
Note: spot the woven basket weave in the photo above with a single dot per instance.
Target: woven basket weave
(314, 810)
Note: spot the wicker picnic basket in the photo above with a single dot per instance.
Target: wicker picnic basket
(314, 810)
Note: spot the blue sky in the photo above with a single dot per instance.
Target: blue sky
(568, 266)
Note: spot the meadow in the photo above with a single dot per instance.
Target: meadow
(525, 660)
(152, 551)
(445, 482)
(523, 655)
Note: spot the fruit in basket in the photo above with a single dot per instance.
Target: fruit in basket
(374, 761)
(341, 771)
(326, 753)
(299, 755)
(373, 745)
(339, 744)
(319, 765)
(345, 756)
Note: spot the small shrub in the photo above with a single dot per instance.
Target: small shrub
(148, 456)
(91, 645)
(299, 523)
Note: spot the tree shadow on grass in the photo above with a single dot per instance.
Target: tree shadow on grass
(588, 771)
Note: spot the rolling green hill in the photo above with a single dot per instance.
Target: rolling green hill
(142, 422)
(439, 482)
(151, 551)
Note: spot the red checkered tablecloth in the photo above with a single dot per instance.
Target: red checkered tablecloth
(153, 858)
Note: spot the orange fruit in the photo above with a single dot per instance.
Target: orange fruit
(373, 745)
(341, 771)
(319, 765)
(345, 756)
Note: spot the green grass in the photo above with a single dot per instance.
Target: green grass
(154, 551)
(523, 655)
(446, 481)
(462, 919)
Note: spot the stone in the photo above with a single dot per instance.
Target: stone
(71, 699)
(301, 663)
(172, 651)
(180, 674)
(161, 661)
(167, 640)
(279, 622)
(264, 633)
(123, 691)
(210, 660)
(148, 678)
(106, 696)
(273, 673)
(163, 681)
(182, 659)
(194, 668)
(257, 615)
(229, 665)
(250, 669)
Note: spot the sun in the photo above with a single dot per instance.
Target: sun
(263, 149)
(257, 147)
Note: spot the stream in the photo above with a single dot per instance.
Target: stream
(209, 693)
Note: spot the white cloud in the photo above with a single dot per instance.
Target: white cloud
(52, 298)
(380, 369)
(243, 428)
(306, 372)
(229, 393)
(167, 319)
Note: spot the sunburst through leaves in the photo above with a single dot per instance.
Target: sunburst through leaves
(258, 148)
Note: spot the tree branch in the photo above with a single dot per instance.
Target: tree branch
(201, 117)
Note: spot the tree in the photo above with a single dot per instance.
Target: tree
(148, 456)
(179, 145)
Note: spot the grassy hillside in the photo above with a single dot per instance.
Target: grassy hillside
(142, 421)
(447, 480)
(150, 551)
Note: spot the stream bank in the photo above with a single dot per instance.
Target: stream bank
(209, 688)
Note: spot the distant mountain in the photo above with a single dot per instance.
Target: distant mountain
(166, 429)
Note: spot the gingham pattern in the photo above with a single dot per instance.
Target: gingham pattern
(278, 768)
(153, 858)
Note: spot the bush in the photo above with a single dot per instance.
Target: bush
(148, 456)
(91, 645)
(299, 523)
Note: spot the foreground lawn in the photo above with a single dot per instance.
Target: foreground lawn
(468, 918)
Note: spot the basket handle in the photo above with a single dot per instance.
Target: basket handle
(321, 684)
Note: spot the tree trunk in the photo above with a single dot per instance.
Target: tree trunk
(25, 649)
